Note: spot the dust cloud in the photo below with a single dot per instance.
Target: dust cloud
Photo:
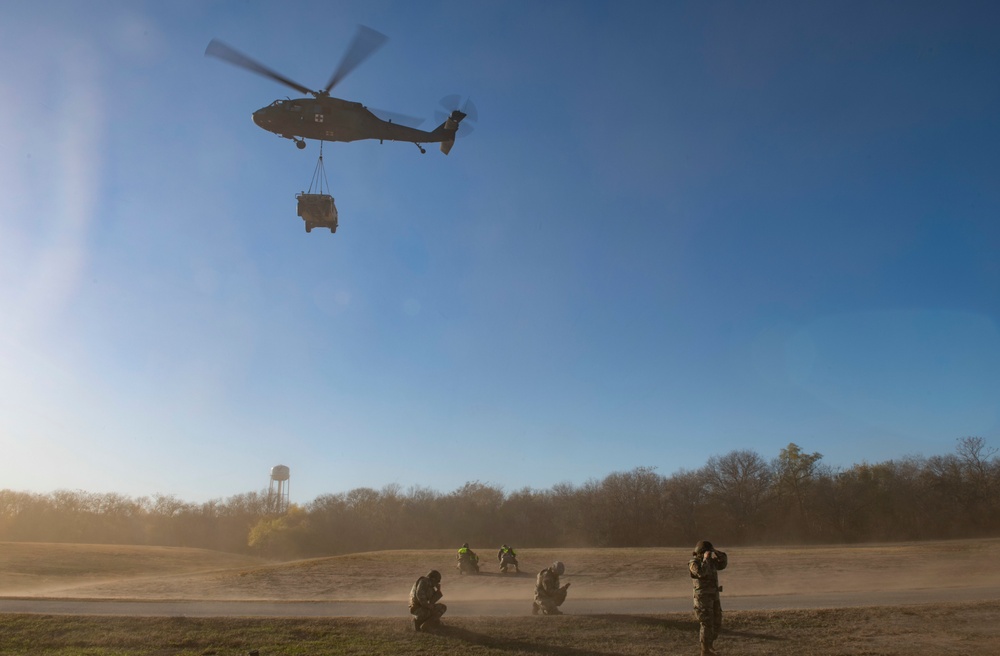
(89, 572)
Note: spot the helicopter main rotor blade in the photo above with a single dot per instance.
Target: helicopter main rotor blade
(366, 41)
(219, 49)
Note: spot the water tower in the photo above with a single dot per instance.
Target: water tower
(277, 494)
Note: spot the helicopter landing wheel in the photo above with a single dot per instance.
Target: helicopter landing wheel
(309, 227)
(300, 144)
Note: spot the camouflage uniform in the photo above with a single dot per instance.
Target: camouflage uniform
(424, 596)
(707, 605)
(507, 557)
(548, 595)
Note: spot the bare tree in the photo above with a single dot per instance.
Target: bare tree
(686, 492)
(740, 483)
(526, 518)
(473, 508)
(967, 484)
(631, 508)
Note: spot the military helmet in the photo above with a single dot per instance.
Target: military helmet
(434, 575)
(702, 547)
(465, 546)
(559, 567)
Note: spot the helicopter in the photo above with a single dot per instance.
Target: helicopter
(325, 118)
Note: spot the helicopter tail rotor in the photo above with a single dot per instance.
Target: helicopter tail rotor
(451, 106)
(448, 129)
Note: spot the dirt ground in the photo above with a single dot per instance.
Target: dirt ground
(923, 599)
(923, 572)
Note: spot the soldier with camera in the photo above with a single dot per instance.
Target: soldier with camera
(704, 568)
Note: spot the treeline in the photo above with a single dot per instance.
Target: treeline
(111, 518)
(736, 498)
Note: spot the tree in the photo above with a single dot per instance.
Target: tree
(472, 512)
(740, 484)
(685, 495)
(967, 484)
(282, 536)
(527, 518)
(631, 508)
(795, 472)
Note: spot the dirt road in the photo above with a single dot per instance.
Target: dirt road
(471, 608)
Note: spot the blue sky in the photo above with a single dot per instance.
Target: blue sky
(677, 229)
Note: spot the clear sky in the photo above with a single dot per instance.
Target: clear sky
(678, 229)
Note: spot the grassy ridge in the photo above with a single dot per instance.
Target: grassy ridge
(933, 630)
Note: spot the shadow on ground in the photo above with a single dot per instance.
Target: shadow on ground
(689, 626)
(520, 646)
(649, 620)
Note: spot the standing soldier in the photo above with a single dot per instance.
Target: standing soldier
(704, 569)
(548, 595)
(424, 596)
(507, 557)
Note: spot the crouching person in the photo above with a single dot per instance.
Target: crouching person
(548, 595)
(507, 557)
(424, 597)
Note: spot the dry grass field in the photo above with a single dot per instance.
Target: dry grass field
(950, 590)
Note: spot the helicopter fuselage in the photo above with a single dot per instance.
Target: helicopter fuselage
(326, 118)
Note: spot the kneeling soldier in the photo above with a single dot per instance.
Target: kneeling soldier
(423, 601)
(548, 595)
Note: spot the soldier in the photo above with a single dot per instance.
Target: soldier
(704, 569)
(424, 596)
(507, 557)
(468, 561)
(548, 595)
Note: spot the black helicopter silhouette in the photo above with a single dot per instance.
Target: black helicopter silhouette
(326, 118)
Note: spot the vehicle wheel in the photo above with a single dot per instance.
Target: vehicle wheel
(300, 144)
(309, 227)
